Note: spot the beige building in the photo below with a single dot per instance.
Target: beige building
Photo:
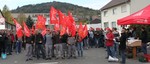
(117, 9)
(114, 10)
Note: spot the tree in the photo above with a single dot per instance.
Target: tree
(29, 22)
(7, 14)
(21, 18)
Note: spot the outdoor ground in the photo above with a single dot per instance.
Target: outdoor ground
(91, 56)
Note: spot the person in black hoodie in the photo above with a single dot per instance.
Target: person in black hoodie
(64, 44)
(39, 44)
(122, 45)
(29, 42)
(144, 36)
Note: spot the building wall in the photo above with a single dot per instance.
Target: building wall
(111, 18)
(137, 5)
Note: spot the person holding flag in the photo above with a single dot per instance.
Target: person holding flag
(79, 45)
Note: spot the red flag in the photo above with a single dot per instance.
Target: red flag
(73, 30)
(68, 22)
(40, 22)
(18, 29)
(26, 30)
(85, 31)
(43, 32)
(53, 17)
(61, 18)
(71, 17)
(63, 30)
(56, 27)
(80, 31)
(33, 29)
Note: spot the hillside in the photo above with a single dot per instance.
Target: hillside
(64, 7)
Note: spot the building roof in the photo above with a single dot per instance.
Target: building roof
(95, 21)
(113, 3)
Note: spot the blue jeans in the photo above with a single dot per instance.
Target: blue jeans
(144, 48)
(80, 49)
(18, 46)
(110, 51)
(123, 56)
(116, 48)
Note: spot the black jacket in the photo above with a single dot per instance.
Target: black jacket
(144, 37)
(38, 38)
(64, 38)
(56, 39)
(123, 39)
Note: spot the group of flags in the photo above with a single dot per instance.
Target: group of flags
(63, 23)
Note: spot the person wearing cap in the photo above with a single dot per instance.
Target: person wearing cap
(48, 45)
(109, 42)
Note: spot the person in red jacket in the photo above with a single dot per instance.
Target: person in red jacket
(109, 42)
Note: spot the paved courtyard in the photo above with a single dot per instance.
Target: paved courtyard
(91, 56)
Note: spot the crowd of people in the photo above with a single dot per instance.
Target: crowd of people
(54, 45)
(51, 45)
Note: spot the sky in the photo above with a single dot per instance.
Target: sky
(94, 4)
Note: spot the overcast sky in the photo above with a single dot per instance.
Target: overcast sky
(94, 4)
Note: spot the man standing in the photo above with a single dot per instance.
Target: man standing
(116, 40)
(29, 47)
(39, 44)
(144, 36)
(122, 45)
(64, 44)
(48, 45)
(57, 45)
(71, 47)
(79, 45)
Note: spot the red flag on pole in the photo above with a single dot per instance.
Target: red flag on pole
(61, 17)
(63, 30)
(18, 29)
(26, 30)
(73, 30)
(43, 32)
(56, 27)
(80, 31)
(71, 17)
(53, 17)
(85, 31)
(40, 22)
(33, 29)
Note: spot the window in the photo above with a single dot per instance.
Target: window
(106, 25)
(114, 10)
(113, 24)
(123, 8)
(105, 13)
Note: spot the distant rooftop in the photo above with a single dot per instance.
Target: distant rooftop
(114, 3)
